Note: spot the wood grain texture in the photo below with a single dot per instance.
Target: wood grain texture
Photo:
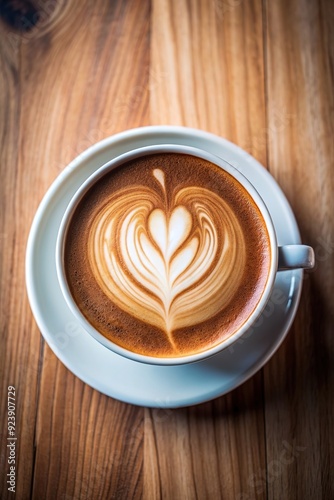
(207, 69)
(18, 366)
(299, 379)
(256, 72)
(206, 451)
(105, 97)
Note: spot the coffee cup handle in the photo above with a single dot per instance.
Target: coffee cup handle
(295, 257)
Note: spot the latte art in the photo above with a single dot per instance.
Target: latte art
(166, 255)
(171, 263)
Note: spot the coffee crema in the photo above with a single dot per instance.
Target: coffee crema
(167, 255)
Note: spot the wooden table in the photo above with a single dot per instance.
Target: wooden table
(259, 73)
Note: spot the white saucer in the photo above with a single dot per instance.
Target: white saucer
(129, 381)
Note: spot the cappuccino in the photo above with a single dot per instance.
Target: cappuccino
(167, 255)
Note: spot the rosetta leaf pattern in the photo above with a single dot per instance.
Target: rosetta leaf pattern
(171, 265)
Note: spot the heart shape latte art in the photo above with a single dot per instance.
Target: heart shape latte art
(171, 263)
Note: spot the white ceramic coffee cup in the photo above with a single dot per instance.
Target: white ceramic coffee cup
(282, 258)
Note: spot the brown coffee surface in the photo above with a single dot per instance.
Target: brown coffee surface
(167, 255)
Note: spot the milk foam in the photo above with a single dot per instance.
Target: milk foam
(171, 260)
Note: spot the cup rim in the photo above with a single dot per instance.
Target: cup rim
(116, 162)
